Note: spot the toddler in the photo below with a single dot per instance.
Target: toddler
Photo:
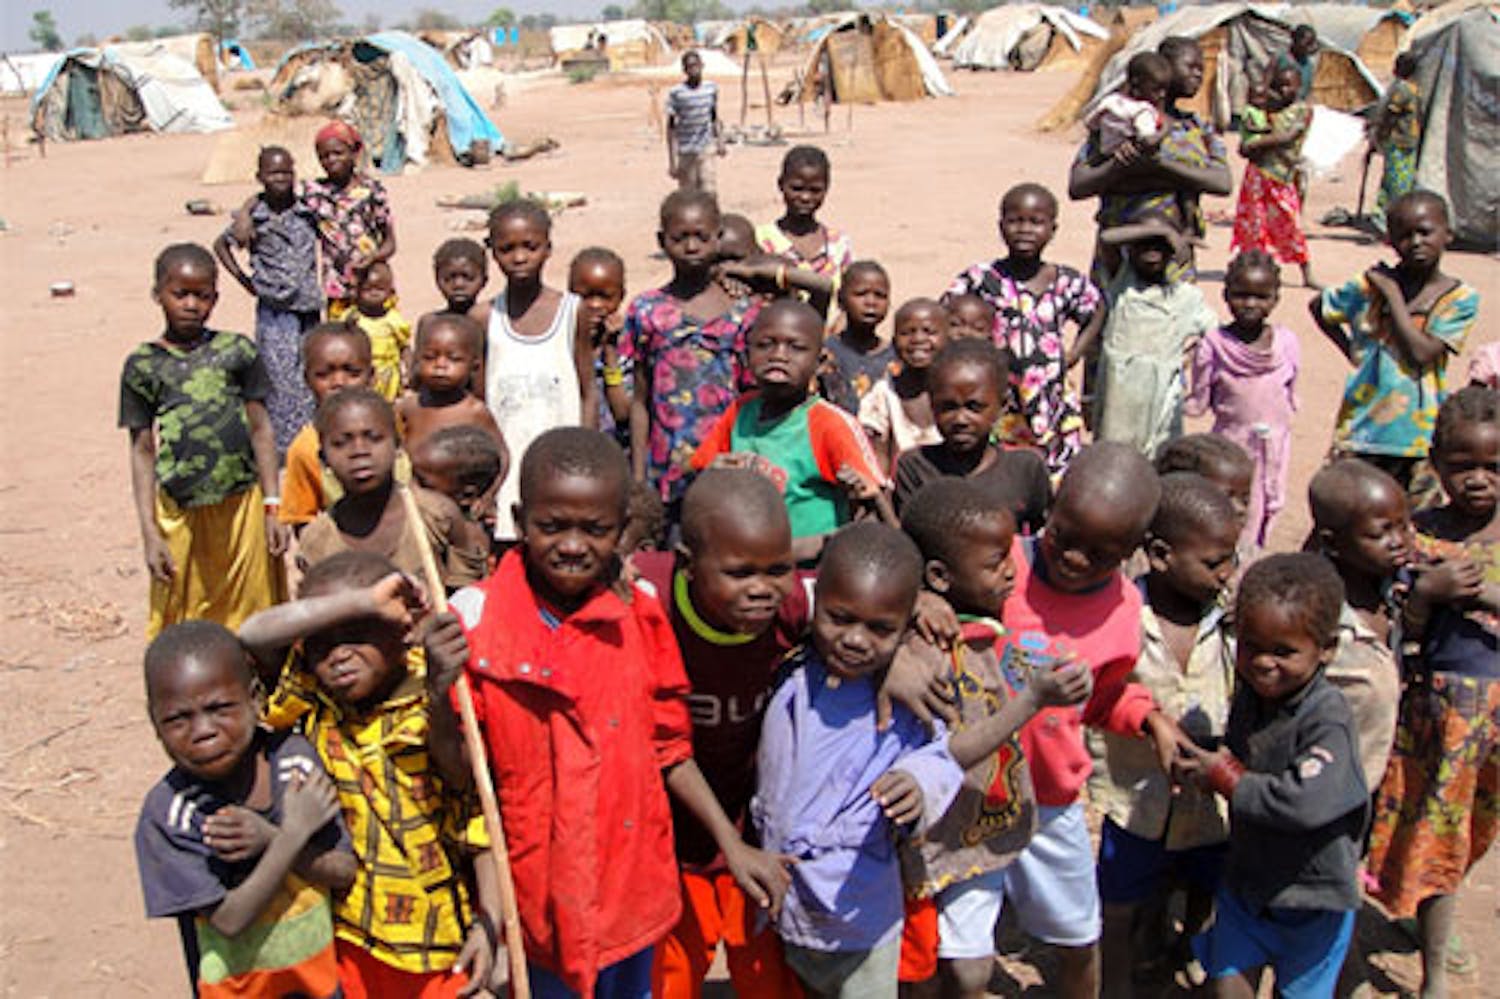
(466, 464)
(1269, 213)
(390, 334)
(242, 840)
(833, 792)
(969, 315)
(281, 234)
(1246, 373)
(897, 412)
(460, 270)
(1398, 326)
(967, 384)
(1289, 771)
(202, 455)
(860, 357)
(597, 277)
(1134, 116)
(335, 356)
(444, 366)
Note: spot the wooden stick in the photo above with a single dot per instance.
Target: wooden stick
(765, 86)
(515, 950)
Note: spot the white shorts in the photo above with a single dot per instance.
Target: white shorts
(1052, 884)
(967, 913)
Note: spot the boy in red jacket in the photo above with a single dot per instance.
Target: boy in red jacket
(580, 694)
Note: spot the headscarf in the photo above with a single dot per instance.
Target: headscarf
(343, 132)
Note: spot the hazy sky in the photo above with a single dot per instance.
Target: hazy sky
(106, 17)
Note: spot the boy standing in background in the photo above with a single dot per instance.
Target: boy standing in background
(692, 126)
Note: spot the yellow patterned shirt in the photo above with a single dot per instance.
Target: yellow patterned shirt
(409, 905)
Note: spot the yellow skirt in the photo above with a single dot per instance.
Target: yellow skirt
(223, 570)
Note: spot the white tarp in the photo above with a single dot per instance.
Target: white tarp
(995, 33)
(1331, 136)
(173, 94)
(23, 72)
(575, 37)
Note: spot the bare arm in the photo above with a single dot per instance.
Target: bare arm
(143, 489)
(263, 443)
(333, 869)
(269, 634)
(1089, 335)
(583, 362)
(640, 419)
(1421, 348)
(1333, 331)
(225, 252)
(447, 653)
(615, 395)
(762, 875)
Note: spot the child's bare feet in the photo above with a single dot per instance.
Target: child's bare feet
(1310, 282)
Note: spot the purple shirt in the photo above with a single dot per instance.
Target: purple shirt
(819, 756)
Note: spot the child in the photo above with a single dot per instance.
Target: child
(1268, 215)
(282, 236)
(645, 521)
(897, 412)
(1136, 113)
(957, 873)
(1219, 460)
(466, 464)
(242, 839)
(357, 429)
(1289, 770)
(1071, 601)
(970, 316)
(355, 228)
(461, 271)
(1361, 523)
(1153, 322)
(833, 791)
(581, 704)
(798, 236)
(202, 455)
(1397, 134)
(1398, 326)
(350, 680)
(1246, 372)
(1034, 302)
(390, 334)
(817, 454)
(967, 385)
(539, 373)
(692, 126)
(1152, 834)
(1435, 813)
(597, 277)
(335, 356)
(443, 367)
(860, 356)
(685, 339)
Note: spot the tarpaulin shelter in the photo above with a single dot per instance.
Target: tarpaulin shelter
(1458, 75)
(1236, 38)
(400, 93)
(732, 36)
(632, 44)
(23, 72)
(197, 48)
(1027, 37)
(867, 58)
(96, 93)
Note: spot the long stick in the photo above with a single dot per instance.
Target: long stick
(515, 950)
(1364, 178)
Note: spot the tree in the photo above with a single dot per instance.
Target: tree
(682, 11)
(296, 20)
(87, 40)
(220, 18)
(428, 19)
(613, 12)
(825, 6)
(44, 31)
(139, 33)
(501, 17)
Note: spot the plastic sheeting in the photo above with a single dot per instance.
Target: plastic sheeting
(994, 35)
(171, 91)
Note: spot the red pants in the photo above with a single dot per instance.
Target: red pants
(919, 941)
(367, 977)
(714, 909)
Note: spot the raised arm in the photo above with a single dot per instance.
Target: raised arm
(269, 634)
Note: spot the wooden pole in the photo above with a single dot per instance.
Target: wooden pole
(765, 86)
(744, 89)
(510, 914)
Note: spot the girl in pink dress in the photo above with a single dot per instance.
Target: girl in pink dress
(1246, 372)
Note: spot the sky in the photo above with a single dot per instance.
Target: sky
(107, 17)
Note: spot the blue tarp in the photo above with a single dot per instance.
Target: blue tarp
(466, 120)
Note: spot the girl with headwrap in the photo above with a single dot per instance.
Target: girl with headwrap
(355, 228)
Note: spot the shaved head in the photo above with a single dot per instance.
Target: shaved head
(1342, 490)
(748, 498)
(1116, 477)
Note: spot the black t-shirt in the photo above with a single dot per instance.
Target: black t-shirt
(1017, 479)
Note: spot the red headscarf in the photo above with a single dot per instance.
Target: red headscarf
(342, 131)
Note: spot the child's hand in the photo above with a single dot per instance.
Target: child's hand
(856, 485)
(476, 959)
(1069, 682)
(158, 557)
(1383, 284)
(899, 795)
(934, 620)
(1169, 739)
(308, 805)
(1217, 771)
(447, 653)
(1448, 581)
(920, 683)
(278, 535)
(237, 833)
(399, 600)
(761, 875)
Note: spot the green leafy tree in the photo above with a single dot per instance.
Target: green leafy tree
(501, 17)
(681, 11)
(296, 20)
(44, 31)
(613, 12)
(428, 19)
(826, 6)
(220, 18)
(139, 33)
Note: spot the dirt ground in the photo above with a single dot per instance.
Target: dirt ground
(916, 185)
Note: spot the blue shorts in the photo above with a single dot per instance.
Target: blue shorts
(626, 979)
(1131, 867)
(1304, 947)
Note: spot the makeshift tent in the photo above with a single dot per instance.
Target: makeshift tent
(731, 36)
(94, 93)
(233, 55)
(869, 58)
(626, 44)
(1027, 37)
(398, 91)
(1236, 39)
(462, 49)
(197, 48)
(1458, 75)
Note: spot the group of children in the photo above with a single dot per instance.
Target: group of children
(786, 640)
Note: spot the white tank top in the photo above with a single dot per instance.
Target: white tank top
(531, 386)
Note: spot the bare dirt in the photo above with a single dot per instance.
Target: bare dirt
(916, 185)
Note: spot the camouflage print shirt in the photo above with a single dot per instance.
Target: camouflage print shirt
(195, 397)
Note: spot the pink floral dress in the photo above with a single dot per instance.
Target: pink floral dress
(351, 220)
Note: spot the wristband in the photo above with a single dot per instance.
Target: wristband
(272, 502)
(613, 377)
(1224, 775)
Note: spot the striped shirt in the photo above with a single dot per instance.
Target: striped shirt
(692, 111)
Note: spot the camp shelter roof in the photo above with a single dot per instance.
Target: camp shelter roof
(872, 58)
(993, 39)
(730, 35)
(395, 89)
(1458, 74)
(94, 93)
(23, 72)
(629, 44)
(1375, 34)
(197, 48)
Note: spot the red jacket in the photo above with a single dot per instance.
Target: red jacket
(579, 721)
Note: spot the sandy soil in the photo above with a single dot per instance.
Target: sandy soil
(915, 184)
